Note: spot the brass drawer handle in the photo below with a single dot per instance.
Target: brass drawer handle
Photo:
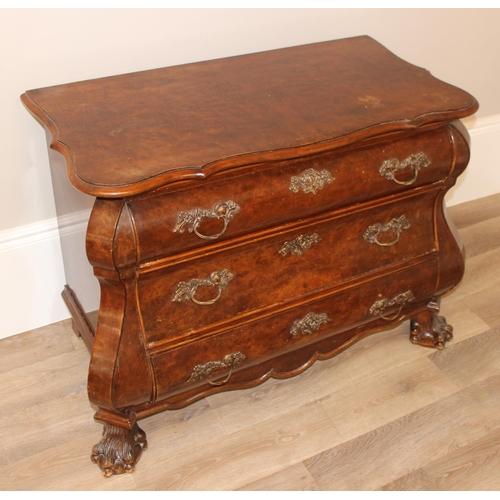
(191, 220)
(415, 162)
(309, 323)
(299, 245)
(310, 181)
(397, 225)
(186, 290)
(378, 307)
(204, 371)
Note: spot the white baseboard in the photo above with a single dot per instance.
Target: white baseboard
(482, 176)
(31, 260)
(32, 274)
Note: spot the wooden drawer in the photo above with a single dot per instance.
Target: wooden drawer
(184, 298)
(215, 357)
(270, 194)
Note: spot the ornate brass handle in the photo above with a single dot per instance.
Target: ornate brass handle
(310, 181)
(205, 370)
(397, 225)
(191, 220)
(299, 245)
(415, 162)
(186, 290)
(378, 307)
(309, 323)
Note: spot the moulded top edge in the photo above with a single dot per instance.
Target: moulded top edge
(128, 134)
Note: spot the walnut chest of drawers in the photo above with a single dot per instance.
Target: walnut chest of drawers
(252, 215)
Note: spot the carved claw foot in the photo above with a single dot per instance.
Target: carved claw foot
(430, 330)
(119, 449)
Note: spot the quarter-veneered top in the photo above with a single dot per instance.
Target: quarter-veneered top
(131, 133)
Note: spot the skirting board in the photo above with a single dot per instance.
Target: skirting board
(32, 273)
(31, 258)
(482, 176)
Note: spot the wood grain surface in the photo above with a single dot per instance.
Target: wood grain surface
(128, 134)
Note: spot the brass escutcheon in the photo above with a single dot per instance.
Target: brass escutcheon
(310, 181)
(309, 323)
(191, 220)
(299, 245)
(204, 371)
(415, 162)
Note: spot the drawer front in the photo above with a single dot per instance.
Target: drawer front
(212, 360)
(266, 195)
(183, 299)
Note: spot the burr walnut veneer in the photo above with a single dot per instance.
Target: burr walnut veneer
(252, 215)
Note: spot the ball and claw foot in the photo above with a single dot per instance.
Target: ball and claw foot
(119, 449)
(430, 330)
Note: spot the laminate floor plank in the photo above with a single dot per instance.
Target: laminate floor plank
(293, 478)
(414, 481)
(66, 467)
(243, 457)
(35, 346)
(481, 273)
(477, 463)
(46, 380)
(472, 360)
(481, 238)
(3, 456)
(486, 305)
(171, 433)
(407, 444)
(461, 470)
(35, 429)
(382, 398)
(471, 212)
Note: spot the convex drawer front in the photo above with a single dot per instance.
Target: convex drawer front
(188, 296)
(270, 194)
(214, 359)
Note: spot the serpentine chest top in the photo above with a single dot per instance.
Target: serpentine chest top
(252, 215)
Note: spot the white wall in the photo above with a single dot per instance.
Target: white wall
(52, 46)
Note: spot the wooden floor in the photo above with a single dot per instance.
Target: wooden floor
(383, 415)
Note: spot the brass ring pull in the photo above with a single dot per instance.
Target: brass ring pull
(379, 306)
(212, 237)
(397, 225)
(222, 382)
(186, 290)
(191, 220)
(204, 371)
(392, 318)
(207, 302)
(415, 162)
